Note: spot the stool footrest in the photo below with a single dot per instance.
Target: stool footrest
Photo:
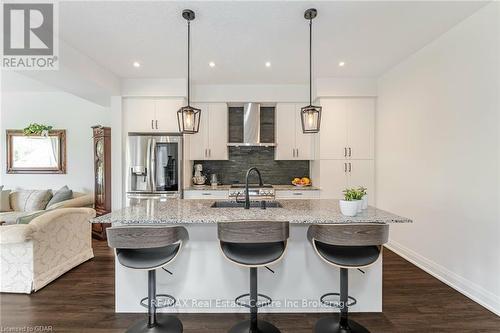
(267, 301)
(350, 302)
(161, 301)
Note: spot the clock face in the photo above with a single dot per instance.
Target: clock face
(99, 148)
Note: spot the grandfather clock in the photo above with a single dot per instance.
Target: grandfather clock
(102, 177)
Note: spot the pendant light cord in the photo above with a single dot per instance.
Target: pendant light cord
(189, 52)
(310, 61)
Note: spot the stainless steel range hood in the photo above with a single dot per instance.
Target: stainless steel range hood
(251, 127)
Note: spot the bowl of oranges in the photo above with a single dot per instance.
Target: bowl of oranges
(301, 182)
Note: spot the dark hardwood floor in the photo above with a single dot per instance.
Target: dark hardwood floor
(82, 301)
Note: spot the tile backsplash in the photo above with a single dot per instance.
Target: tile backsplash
(243, 158)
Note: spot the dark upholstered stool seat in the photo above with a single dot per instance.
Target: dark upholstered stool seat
(150, 248)
(253, 253)
(147, 258)
(348, 256)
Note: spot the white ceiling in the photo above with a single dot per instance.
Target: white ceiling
(240, 37)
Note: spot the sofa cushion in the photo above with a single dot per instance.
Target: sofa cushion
(11, 217)
(30, 200)
(4, 200)
(62, 194)
(26, 219)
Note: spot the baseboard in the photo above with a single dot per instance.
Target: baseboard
(460, 284)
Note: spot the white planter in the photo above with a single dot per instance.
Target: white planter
(365, 201)
(360, 206)
(349, 208)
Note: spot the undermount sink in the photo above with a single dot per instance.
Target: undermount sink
(253, 204)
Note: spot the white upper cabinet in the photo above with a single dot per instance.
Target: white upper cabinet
(291, 143)
(166, 114)
(347, 128)
(139, 114)
(151, 114)
(360, 128)
(218, 131)
(210, 143)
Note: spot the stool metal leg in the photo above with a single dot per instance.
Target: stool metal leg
(151, 298)
(340, 323)
(254, 325)
(155, 324)
(253, 300)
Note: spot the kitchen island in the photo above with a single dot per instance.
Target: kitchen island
(203, 281)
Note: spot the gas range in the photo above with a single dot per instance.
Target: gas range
(255, 191)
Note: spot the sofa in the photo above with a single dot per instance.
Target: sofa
(19, 204)
(35, 254)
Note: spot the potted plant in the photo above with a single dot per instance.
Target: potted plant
(349, 206)
(364, 197)
(37, 129)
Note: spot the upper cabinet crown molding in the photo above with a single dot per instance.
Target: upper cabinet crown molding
(151, 114)
(347, 128)
(210, 143)
(291, 142)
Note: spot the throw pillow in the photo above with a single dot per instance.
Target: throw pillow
(30, 200)
(28, 218)
(4, 201)
(62, 194)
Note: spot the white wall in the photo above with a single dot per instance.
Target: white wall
(62, 111)
(437, 148)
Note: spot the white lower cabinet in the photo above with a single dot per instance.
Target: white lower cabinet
(206, 194)
(297, 194)
(337, 175)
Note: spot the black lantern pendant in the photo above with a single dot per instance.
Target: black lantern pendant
(310, 115)
(188, 117)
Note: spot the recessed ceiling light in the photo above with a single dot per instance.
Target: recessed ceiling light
(341, 64)
(211, 64)
(268, 64)
(136, 64)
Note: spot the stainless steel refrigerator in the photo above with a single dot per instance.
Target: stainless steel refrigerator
(154, 166)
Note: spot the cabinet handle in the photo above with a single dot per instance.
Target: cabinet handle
(293, 152)
(206, 194)
(156, 123)
(345, 151)
(345, 167)
(298, 193)
(152, 124)
(297, 152)
(349, 151)
(209, 152)
(350, 168)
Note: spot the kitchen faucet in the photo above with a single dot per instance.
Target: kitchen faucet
(247, 194)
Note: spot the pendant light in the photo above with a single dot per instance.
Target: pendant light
(188, 117)
(310, 115)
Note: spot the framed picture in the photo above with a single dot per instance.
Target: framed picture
(36, 154)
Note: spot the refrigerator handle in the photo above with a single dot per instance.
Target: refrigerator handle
(153, 165)
(148, 165)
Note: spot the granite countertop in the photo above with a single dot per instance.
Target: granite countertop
(227, 187)
(178, 211)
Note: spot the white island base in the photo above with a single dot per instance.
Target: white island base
(203, 281)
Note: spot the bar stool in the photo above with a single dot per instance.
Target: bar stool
(253, 244)
(346, 246)
(150, 248)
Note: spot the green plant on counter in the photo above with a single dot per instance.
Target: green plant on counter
(36, 129)
(362, 190)
(351, 194)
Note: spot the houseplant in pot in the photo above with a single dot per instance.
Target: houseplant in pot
(349, 206)
(364, 197)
